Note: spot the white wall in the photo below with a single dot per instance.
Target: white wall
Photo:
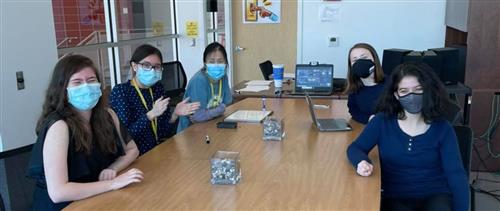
(457, 14)
(407, 24)
(191, 57)
(28, 44)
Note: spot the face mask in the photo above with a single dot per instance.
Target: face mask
(216, 71)
(84, 97)
(412, 102)
(148, 77)
(363, 68)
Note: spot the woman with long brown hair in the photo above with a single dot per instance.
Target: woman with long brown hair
(365, 81)
(79, 150)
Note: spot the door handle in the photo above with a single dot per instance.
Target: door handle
(239, 48)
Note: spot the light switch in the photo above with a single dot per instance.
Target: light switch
(20, 80)
(333, 41)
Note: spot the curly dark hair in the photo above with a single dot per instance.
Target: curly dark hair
(435, 99)
(101, 132)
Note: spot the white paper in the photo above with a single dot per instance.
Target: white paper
(329, 13)
(253, 89)
(258, 83)
(289, 75)
(247, 116)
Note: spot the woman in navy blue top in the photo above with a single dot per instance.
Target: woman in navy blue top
(140, 104)
(419, 155)
(365, 81)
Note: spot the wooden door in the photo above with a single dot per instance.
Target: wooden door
(261, 42)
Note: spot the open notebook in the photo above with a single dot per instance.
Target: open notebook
(253, 116)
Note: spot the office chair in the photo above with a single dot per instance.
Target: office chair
(266, 68)
(2, 206)
(339, 84)
(465, 138)
(174, 82)
(453, 113)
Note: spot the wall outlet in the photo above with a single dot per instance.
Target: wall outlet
(333, 41)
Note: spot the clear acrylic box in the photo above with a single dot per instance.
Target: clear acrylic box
(225, 168)
(273, 129)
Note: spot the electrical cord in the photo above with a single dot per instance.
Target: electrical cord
(492, 126)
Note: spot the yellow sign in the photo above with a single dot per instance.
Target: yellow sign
(192, 29)
(158, 28)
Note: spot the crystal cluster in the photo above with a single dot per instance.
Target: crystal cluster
(225, 168)
(273, 129)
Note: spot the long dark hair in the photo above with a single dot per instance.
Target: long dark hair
(435, 99)
(56, 101)
(354, 82)
(142, 52)
(213, 47)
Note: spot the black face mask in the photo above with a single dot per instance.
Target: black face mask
(363, 68)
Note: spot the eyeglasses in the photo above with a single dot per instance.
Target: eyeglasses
(147, 66)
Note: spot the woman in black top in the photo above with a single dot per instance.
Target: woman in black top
(79, 149)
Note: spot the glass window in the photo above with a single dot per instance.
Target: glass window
(100, 58)
(165, 46)
(215, 22)
(79, 23)
(140, 19)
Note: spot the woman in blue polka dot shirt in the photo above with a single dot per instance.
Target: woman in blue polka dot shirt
(140, 104)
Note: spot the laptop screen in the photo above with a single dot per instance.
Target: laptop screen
(314, 77)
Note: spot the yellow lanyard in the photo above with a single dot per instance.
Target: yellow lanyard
(154, 123)
(220, 90)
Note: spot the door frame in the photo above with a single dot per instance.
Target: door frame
(228, 18)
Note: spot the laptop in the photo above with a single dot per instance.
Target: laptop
(313, 79)
(326, 125)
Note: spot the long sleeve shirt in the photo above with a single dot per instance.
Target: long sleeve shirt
(199, 90)
(362, 103)
(414, 166)
(127, 104)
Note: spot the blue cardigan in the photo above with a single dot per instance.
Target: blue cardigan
(198, 90)
(362, 103)
(414, 167)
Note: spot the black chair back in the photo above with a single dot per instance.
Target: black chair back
(2, 207)
(266, 68)
(453, 113)
(465, 138)
(174, 81)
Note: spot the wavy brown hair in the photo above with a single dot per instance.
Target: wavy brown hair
(101, 132)
(354, 82)
(435, 98)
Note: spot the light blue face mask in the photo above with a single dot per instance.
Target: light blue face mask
(148, 77)
(216, 71)
(84, 97)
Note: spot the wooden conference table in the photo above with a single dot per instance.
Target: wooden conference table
(308, 170)
(287, 89)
